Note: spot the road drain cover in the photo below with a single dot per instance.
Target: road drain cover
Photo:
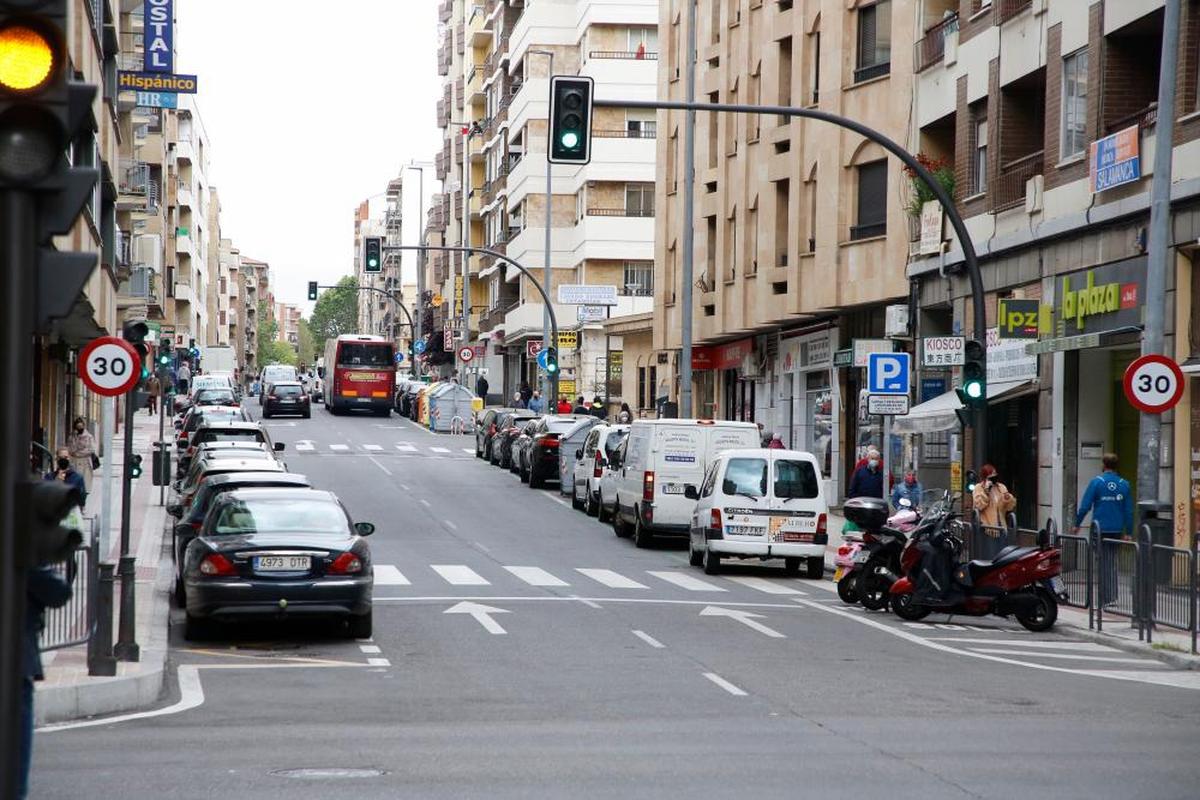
(328, 773)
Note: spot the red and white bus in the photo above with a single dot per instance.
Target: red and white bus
(360, 372)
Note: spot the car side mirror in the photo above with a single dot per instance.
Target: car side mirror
(175, 510)
(364, 528)
(691, 492)
(278, 447)
(579, 454)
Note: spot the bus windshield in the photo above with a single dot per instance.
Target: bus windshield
(351, 354)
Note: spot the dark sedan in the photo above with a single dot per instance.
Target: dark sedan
(506, 433)
(278, 553)
(192, 518)
(539, 456)
(485, 429)
(287, 397)
(519, 447)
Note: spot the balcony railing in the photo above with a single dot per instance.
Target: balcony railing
(494, 315)
(872, 71)
(626, 55)
(932, 46)
(1007, 9)
(1008, 189)
(620, 212)
(1145, 118)
(868, 231)
(649, 130)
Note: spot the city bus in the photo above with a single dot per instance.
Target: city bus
(360, 372)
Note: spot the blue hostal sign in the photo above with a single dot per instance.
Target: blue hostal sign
(159, 45)
(157, 100)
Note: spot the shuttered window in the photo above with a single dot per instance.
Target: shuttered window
(874, 41)
(872, 201)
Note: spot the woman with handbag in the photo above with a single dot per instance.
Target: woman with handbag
(82, 447)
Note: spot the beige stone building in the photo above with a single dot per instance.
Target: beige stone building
(800, 235)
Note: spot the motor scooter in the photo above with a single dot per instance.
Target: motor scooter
(1022, 582)
(884, 546)
(847, 567)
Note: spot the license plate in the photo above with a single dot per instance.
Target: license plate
(672, 488)
(862, 558)
(1057, 586)
(282, 563)
(838, 573)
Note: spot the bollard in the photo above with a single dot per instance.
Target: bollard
(127, 647)
(100, 646)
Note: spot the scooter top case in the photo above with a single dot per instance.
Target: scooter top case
(868, 513)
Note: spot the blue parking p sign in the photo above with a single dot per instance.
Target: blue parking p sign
(888, 373)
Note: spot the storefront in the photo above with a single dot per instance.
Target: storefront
(805, 370)
(726, 371)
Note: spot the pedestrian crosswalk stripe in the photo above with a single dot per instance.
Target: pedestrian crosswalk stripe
(764, 585)
(300, 448)
(407, 448)
(460, 575)
(470, 450)
(388, 575)
(1070, 656)
(339, 447)
(612, 580)
(371, 447)
(536, 576)
(439, 449)
(685, 581)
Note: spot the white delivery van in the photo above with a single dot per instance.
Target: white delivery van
(662, 457)
(219, 359)
(275, 373)
(760, 503)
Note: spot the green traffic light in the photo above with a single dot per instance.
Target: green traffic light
(569, 140)
(974, 390)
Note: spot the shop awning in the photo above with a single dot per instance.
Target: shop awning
(938, 414)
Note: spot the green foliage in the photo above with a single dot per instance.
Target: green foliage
(306, 348)
(335, 313)
(270, 350)
(943, 173)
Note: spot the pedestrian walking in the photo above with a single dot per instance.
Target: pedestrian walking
(597, 410)
(183, 377)
(526, 393)
(536, 404)
(43, 589)
(518, 401)
(581, 406)
(1109, 499)
(867, 480)
(153, 390)
(776, 443)
(625, 415)
(64, 471)
(908, 489)
(81, 450)
(993, 502)
(564, 405)
(481, 388)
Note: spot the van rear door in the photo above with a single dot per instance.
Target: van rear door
(796, 499)
(678, 459)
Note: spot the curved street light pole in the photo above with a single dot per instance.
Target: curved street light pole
(979, 415)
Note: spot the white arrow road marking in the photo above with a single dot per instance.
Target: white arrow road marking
(482, 615)
(745, 617)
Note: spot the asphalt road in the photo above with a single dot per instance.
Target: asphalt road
(522, 650)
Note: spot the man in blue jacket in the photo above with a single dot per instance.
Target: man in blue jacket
(1109, 498)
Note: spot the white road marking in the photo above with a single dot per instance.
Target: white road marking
(612, 580)
(482, 615)
(685, 581)
(388, 575)
(305, 445)
(764, 585)
(536, 576)
(460, 575)
(1088, 647)
(378, 662)
(386, 471)
(425, 503)
(1071, 656)
(470, 450)
(648, 639)
(406, 448)
(370, 649)
(339, 447)
(575, 599)
(556, 499)
(449, 524)
(374, 447)
(440, 449)
(747, 618)
(406, 487)
(724, 684)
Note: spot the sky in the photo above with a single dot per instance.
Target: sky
(310, 108)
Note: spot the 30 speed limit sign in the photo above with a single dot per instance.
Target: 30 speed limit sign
(109, 366)
(466, 354)
(1153, 384)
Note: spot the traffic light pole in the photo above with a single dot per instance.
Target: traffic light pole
(979, 416)
(18, 257)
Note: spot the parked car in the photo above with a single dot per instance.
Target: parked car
(517, 449)
(223, 449)
(286, 397)
(507, 431)
(760, 503)
(485, 429)
(275, 553)
(539, 453)
(223, 431)
(207, 468)
(192, 418)
(662, 457)
(589, 464)
(272, 374)
(191, 517)
(606, 488)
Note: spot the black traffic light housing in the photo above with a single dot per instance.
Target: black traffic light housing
(312, 290)
(49, 504)
(973, 392)
(164, 353)
(373, 254)
(570, 119)
(135, 467)
(135, 332)
(972, 479)
(552, 360)
(40, 116)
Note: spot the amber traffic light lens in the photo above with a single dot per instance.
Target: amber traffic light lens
(26, 58)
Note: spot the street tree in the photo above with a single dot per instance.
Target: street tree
(306, 347)
(270, 349)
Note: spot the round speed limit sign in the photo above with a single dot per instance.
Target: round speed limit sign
(109, 366)
(1153, 384)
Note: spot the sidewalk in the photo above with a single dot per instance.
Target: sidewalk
(1170, 646)
(68, 691)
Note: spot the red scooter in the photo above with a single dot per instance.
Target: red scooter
(1021, 582)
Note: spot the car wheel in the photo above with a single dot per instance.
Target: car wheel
(535, 480)
(359, 627)
(791, 567)
(196, 629)
(695, 557)
(179, 595)
(308, 415)
(816, 567)
(591, 506)
(266, 414)
(576, 503)
(601, 514)
(620, 527)
(711, 561)
(641, 536)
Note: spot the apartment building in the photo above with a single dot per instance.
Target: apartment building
(1018, 102)
(493, 114)
(287, 322)
(800, 236)
(258, 298)
(229, 284)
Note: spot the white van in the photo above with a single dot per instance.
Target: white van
(662, 457)
(760, 503)
(272, 374)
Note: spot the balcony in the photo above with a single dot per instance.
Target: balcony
(624, 55)
(138, 190)
(1144, 118)
(183, 243)
(1008, 189)
(620, 212)
(184, 151)
(493, 316)
(646, 130)
(872, 71)
(183, 194)
(932, 46)
(1007, 9)
(182, 293)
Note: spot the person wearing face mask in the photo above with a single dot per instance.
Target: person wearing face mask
(81, 449)
(909, 489)
(867, 480)
(64, 471)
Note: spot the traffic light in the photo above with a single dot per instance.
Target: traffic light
(164, 353)
(570, 120)
(135, 467)
(551, 360)
(135, 333)
(49, 504)
(372, 254)
(973, 392)
(972, 479)
(312, 290)
(42, 111)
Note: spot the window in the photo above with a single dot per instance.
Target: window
(815, 70)
(753, 97)
(639, 278)
(785, 76)
(639, 199)
(1074, 104)
(745, 476)
(979, 147)
(647, 378)
(796, 479)
(874, 41)
(872, 201)
(643, 39)
(640, 124)
(731, 253)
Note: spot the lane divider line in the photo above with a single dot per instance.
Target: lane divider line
(724, 684)
(648, 639)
